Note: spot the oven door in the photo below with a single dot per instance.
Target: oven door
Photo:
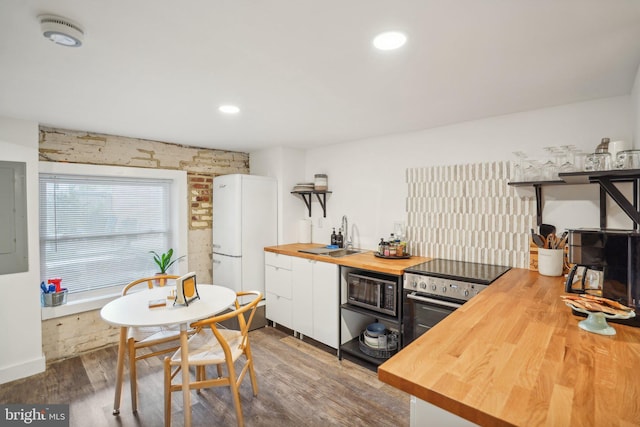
(421, 313)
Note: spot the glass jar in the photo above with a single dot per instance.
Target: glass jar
(628, 159)
(385, 249)
(320, 182)
(597, 162)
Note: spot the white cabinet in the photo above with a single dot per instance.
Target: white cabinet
(424, 414)
(302, 269)
(278, 282)
(302, 295)
(315, 300)
(326, 303)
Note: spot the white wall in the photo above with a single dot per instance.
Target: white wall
(20, 334)
(287, 166)
(635, 111)
(367, 177)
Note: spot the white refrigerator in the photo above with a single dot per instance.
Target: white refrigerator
(245, 220)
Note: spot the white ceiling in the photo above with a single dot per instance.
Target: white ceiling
(304, 71)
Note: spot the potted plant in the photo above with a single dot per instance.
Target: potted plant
(164, 261)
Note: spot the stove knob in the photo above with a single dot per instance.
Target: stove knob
(423, 285)
(413, 284)
(466, 292)
(444, 289)
(434, 287)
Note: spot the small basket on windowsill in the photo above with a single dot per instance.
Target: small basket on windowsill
(53, 299)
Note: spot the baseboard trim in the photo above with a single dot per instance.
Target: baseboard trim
(22, 370)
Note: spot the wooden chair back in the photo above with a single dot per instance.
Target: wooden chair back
(159, 280)
(205, 349)
(134, 342)
(239, 314)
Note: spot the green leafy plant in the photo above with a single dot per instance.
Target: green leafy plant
(164, 261)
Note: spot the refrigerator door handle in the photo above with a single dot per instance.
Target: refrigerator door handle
(215, 261)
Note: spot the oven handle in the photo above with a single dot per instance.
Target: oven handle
(433, 301)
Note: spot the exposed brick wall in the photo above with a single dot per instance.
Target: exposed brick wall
(201, 208)
(68, 336)
(76, 334)
(61, 145)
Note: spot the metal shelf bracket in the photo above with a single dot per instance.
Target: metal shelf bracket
(606, 180)
(320, 195)
(620, 199)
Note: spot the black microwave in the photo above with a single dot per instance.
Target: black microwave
(372, 292)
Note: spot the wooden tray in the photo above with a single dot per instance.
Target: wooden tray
(379, 255)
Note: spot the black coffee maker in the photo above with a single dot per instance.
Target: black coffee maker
(616, 253)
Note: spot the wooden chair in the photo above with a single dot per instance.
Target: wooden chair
(139, 338)
(214, 345)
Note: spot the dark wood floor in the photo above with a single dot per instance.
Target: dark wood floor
(299, 385)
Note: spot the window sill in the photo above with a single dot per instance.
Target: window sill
(77, 306)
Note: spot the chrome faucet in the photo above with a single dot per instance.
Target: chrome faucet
(345, 228)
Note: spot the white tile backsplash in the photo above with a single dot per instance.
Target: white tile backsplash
(468, 212)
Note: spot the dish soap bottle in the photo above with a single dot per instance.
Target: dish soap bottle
(340, 239)
(334, 237)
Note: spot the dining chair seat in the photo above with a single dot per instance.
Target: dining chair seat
(153, 333)
(213, 344)
(205, 349)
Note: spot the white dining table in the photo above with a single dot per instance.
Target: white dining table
(132, 310)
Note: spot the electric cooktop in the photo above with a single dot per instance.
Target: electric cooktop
(459, 270)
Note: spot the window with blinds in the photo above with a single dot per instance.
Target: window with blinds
(96, 232)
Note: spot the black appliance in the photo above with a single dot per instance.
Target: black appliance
(616, 253)
(373, 292)
(436, 288)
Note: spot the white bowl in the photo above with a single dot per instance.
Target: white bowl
(376, 329)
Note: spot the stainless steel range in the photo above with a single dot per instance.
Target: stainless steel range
(436, 288)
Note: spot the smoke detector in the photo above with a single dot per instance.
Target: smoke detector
(61, 31)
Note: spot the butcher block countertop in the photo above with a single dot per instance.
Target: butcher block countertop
(364, 261)
(514, 355)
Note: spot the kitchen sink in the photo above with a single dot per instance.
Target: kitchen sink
(336, 253)
(343, 252)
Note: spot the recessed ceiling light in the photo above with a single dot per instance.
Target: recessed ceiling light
(389, 40)
(229, 109)
(61, 31)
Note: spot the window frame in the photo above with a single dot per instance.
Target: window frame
(93, 299)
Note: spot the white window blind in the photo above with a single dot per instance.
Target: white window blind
(97, 232)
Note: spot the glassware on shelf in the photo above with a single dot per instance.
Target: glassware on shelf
(628, 159)
(567, 161)
(549, 171)
(559, 154)
(578, 159)
(597, 162)
(567, 167)
(517, 171)
(531, 171)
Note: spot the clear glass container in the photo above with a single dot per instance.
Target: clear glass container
(597, 162)
(321, 182)
(628, 159)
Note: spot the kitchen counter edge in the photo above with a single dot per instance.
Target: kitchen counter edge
(364, 261)
(512, 356)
